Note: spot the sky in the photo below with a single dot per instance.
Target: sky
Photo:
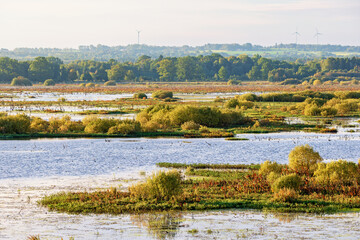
(71, 23)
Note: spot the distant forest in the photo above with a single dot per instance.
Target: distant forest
(212, 67)
(133, 52)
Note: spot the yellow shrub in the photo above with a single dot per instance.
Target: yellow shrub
(160, 186)
(303, 159)
(337, 172)
(291, 181)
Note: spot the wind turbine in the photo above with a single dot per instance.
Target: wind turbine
(138, 32)
(317, 34)
(296, 36)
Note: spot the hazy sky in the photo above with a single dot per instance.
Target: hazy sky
(70, 23)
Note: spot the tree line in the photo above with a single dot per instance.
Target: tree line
(134, 51)
(212, 67)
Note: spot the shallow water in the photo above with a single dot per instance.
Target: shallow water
(83, 96)
(78, 157)
(30, 169)
(20, 217)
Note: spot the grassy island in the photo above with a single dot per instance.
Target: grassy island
(305, 184)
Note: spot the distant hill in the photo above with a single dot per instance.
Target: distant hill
(132, 52)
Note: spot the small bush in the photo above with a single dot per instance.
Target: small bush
(303, 159)
(247, 97)
(190, 125)
(140, 96)
(291, 181)
(285, 195)
(82, 84)
(268, 167)
(162, 94)
(161, 186)
(125, 127)
(317, 82)
(110, 83)
(21, 81)
(233, 82)
(90, 85)
(233, 103)
(49, 82)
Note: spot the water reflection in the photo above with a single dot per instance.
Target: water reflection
(159, 225)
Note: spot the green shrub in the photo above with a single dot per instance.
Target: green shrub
(312, 110)
(38, 125)
(328, 112)
(276, 97)
(233, 103)
(140, 96)
(268, 167)
(125, 127)
(167, 116)
(201, 115)
(49, 82)
(14, 124)
(247, 97)
(94, 124)
(90, 85)
(110, 83)
(162, 94)
(233, 82)
(303, 159)
(291, 181)
(190, 125)
(21, 81)
(337, 172)
(317, 82)
(160, 186)
(82, 84)
(290, 81)
(64, 125)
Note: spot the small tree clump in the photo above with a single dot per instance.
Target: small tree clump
(110, 83)
(90, 85)
(140, 96)
(38, 125)
(337, 172)
(21, 81)
(125, 127)
(303, 159)
(49, 82)
(162, 94)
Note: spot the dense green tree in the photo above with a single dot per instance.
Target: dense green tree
(223, 73)
(166, 70)
(41, 69)
(116, 73)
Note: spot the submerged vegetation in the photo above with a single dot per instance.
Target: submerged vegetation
(311, 186)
